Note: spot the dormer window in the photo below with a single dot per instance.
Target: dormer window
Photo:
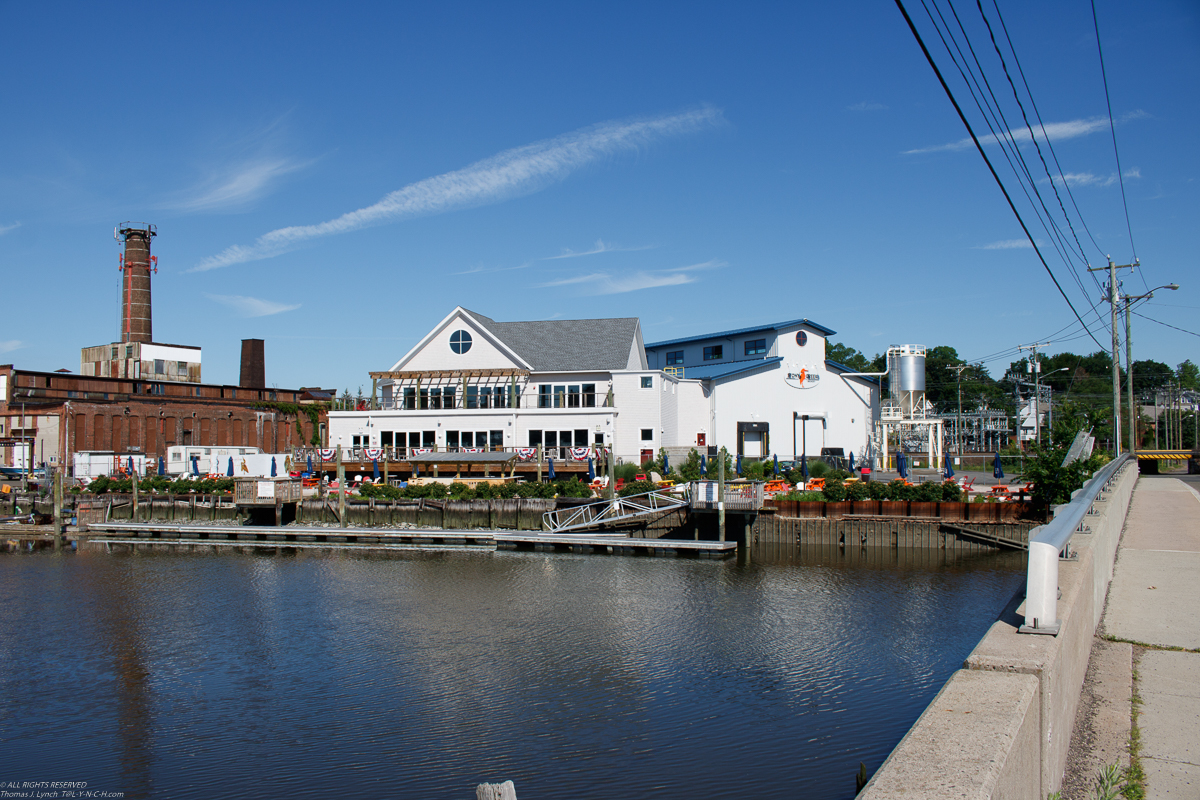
(460, 342)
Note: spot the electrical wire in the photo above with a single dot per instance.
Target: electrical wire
(1169, 325)
(1001, 132)
(1112, 127)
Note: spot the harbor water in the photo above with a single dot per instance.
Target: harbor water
(318, 674)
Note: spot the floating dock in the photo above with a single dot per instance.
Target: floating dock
(294, 536)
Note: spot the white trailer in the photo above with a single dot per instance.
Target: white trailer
(99, 463)
(185, 460)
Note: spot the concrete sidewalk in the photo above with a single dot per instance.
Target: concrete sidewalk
(1154, 599)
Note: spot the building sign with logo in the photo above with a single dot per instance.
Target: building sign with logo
(801, 376)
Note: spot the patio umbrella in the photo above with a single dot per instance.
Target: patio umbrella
(131, 471)
(310, 465)
(703, 465)
(666, 465)
(591, 470)
(949, 469)
(776, 465)
(738, 466)
(274, 469)
(550, 472)
(196, 466)
(997, 470)
(852, 461)
(162, 466)
(804, 466)
(375, 469)
(902, 464)
(229, 469)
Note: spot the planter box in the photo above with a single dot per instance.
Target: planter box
(810, 509)
(869, 507)
(839, 509)
(893, 508)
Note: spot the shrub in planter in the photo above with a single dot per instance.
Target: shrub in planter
(877, 491)
(534, 489)
(857, 491)
(637, 487)
(951, 492)
(461, 491)
(899, 490)
(818, 469)
(929, 492)
(574, 488)
(834, 492)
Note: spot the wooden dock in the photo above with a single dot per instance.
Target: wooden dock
(361, 538)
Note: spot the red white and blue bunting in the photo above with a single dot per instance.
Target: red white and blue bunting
(580, 453)
(470, 449)
(526, 453)
(419, 451)
(373, 453)
(327, 455)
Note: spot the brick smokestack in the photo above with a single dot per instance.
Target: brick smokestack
(254, 368)
(136, 325)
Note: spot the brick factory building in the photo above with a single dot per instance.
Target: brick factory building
(138, 396)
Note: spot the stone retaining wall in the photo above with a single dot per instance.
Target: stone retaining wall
(1001, 726)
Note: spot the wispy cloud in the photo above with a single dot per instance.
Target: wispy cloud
(1007, 244)
(236, 186)
(10, 345)
(608, 283)
(251, 306)
(485, 270)
(864, 106)
(1089, 179)
(6, 228)
(600, 247)
(512, 173)
(1056, 131)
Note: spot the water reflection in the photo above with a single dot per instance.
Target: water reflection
(421, 674)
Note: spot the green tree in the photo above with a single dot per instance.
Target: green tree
(847, 356)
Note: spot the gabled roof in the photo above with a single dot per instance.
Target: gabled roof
(568, 345)
(777, 326)
(708, 372)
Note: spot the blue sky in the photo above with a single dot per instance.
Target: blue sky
(334, 179)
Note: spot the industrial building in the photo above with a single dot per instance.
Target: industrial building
(139, 396)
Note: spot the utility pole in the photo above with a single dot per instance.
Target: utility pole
(1035, 367)
(1113, 298)
(1133, 415)
(958, 425)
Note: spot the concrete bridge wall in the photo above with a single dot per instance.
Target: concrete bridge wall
(1001, 726)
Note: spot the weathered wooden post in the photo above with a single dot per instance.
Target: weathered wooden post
(539, 460)
(58, 501)
(496, 791)
(341, 481)
(721, 492)
(134, 477)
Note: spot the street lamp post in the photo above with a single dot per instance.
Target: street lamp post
(1133, 416)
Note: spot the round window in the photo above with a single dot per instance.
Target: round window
(460, 341)
(801, 338)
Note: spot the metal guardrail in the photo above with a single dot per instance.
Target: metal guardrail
(1047, 542)
(738, 496)
(608, 512)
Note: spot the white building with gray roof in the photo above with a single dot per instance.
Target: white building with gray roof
(475, 383)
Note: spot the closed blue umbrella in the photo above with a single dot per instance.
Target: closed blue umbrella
(131, 470)
(738, 466)
(666, 465)
(196, 466)
(949, 469)
(310, 465)
(591, 470)
(229, 469)
(375, 468)
(274, 469)
(776, 465)
(997, 470)
(162, 466)
(902, 464)
(804, 466)
(550, 473)
(852, 461)
(703, 465)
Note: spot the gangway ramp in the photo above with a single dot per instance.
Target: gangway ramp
(612, 513)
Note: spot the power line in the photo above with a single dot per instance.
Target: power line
(1169, 325)
(1112, 127)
